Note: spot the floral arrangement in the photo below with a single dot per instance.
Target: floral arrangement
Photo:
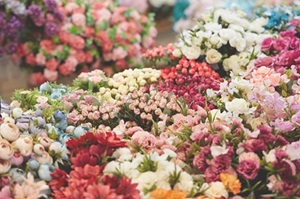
(99, 34)
(225, 38)
(11, 23)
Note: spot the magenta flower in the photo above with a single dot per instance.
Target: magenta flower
(249, 164)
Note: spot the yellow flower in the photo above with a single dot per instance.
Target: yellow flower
(231, 182)
(167, 194)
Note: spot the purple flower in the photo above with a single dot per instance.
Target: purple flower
(50, 5)
(50, 29)
(254, 145)
(266, 134)
(281, 140)
(211, 175)
(287, 168)
(283, 126)
(220, 163)
(289, 186)
(248, 169)
(58, 15)
(34, 11)
(200, 162)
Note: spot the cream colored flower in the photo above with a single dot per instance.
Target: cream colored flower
(6, 150)
(9, 131)
(5, 165)
(24, 144)
(213, 56)
(215, 190)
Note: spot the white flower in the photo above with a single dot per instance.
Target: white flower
(213, 56)
(177, 52)
(17, 112)
(270, 157)
(215, 190)
(214, 27)
(218, 150)
(191, 52)
(41, 99)
(162, 179)
(236, 28)
(226, 34)
(111, 167)
(232, 64)
(216, 41)
(238, 42)
(8, 120)
(185, 182)
(122, 154)
(9, 131)
(44, 158)
(293, 150)
(146, 180)
(24, 144)
(56, 147)
(241, 84)
(6, 150)
(238, 106)
(38, 149)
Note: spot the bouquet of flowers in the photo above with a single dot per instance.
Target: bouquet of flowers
(12, 14)
(94, 35)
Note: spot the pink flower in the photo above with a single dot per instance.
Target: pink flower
(66, 69)
(264, 61)
(52, 64)
(288, 33)
(265, 75)
(118, 53)
(141, 5)
(30, 59)
(148, 42)
(267, 44)
(77, 42)
(50, 75)
(249, 165)
(101, 15)
(6, 193)
(64, 36)
(72, 61)
(80, 56)
(40, 59)
(37, 78)
(47, 45)
(71, 6)
(89, 31)
(280, 44)
(121, 64)
(296, 118)
(78, 19)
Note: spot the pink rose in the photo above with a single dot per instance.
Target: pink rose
(78, 19)
(72, 61)
(101, 15)
(50, 75)
(288, 33)
(141, 5)
(40, 59)
(267, 44)
(66, 69)
(80, 56)
(71, 6)
(281, 44)
(286, 58)
(89, 31)
(264, 61)
(52, 64)
(47, 45)
(77, 42)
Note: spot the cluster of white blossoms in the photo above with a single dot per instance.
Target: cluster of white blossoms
(159, 176)
(225, 36)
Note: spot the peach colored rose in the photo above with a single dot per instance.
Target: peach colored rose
(40, 59)
(265, 75)
(9, 131)
(50, 75)
(52, 64)
(77, 42)
(6, 150)
(78, 19)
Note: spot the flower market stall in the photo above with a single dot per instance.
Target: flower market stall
(213, 115)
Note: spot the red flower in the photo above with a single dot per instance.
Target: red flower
(110, 140)
(85, 140)
(59, 179)
(83, 158)
(100, 191)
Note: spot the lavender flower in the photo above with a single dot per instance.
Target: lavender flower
(50, 5)
(34, 11)
(11, 47)
(50, 29)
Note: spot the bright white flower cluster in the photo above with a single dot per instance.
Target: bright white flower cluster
(157, 175)
(223, 36)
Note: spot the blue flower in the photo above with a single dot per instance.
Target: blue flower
(17, 174)
(79, 131)
(45, 87)
(33, 164)
(56, 95)
(45, 171)
(59, 115)
(62, 124)
(64, 137)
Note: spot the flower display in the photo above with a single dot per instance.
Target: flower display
(12, 14)
(101, 34)
(216, 116)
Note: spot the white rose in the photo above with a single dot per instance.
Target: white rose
(213, 56)
(216, 190)
(9, 131)
(122, 154)
(241, 84)
(6, 150)
(24, 144)
(17, 112)
(45, 141)
(237, 106)
(214, 27)
(44, 158)
(191, 52)
(216, 41)
(236, 28)
(56, 147)
(5, 166)
(38, 149)
(9, 120)
(218, 150)
(226, 33)
(238, 42)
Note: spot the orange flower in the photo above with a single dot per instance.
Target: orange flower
(167, 194)
(231, 182)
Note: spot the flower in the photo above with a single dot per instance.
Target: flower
(231, 183)
(6, 150)
(215, 190)
(213, 56)
(9, 131)
(249, 164)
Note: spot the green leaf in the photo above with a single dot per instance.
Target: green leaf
(75, 30)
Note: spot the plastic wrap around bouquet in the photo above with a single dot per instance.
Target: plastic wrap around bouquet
(80, 35)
